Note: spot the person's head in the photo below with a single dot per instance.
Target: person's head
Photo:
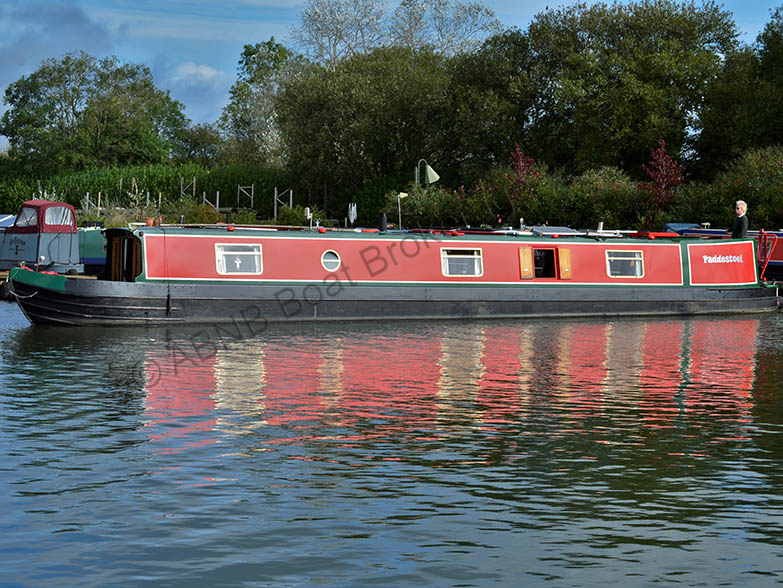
(741, 207)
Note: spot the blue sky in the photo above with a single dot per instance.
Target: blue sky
(192, 46)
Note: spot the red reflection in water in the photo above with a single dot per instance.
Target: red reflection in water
(484, 376)
(722, 366)
(584, 359)
(291, 387)
(179, 405)
(661, 374)
(389, 378)
(502, 385)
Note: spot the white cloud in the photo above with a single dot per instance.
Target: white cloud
(190, 73)
(201, 88)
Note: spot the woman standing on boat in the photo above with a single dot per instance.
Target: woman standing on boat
(739, 229)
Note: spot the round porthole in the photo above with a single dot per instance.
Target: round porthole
(330, 260)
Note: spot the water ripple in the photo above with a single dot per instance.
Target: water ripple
(477, 454)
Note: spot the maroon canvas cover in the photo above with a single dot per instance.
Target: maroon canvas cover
(45, 216)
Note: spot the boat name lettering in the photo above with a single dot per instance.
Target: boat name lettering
(722, 258)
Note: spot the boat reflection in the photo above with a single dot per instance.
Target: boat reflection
(431, 380)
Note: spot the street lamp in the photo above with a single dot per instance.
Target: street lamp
(430, 177)
(400, 195)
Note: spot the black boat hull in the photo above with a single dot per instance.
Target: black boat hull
(70, 301)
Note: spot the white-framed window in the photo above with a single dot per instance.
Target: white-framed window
(238, 259)
(330, 260)
(625, 264)
(58, 215)
(461, 262)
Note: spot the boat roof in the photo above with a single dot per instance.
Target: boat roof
(542, 233)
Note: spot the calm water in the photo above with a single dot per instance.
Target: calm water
(509, 453)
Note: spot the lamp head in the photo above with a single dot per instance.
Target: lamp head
(430, 177)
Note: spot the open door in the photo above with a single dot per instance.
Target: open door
(123, 256)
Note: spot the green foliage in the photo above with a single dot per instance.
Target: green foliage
(744, 105)
(200, 144)
(122, 186)
(491, 96)
(249, 118)
(79, 112)
(608, 194)
(427, 208)
(183, 210)
(770, 102)
(611, 80)
(370, 198)
(295, 216)
(700, 202)
(372, 116)
(756, 178)
(729, 120)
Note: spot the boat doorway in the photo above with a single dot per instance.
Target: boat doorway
(123, 256)
(545, 262)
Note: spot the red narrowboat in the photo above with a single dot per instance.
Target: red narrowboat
(253, 275)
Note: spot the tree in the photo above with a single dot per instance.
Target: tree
(491, 98)
(744, 105)
(372, 116)
(769, 46)
(665, 174)
(249, 119)
(333, 30)
(201, 144)
(728, 124)
(612, 80)
(78, 111)
(448, 26)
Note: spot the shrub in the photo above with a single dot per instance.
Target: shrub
(756, 178)
(606, 193)
(295, 216)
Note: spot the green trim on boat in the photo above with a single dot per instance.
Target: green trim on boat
(31, 278)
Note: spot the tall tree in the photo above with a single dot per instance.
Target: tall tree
(770, 51)
(448, 26)
(374, 115)
(79, 111)
(200, 144)
(728, 124)
(249, 119)
(744, 105)
(491, 100)
(613, 79)
(333, 30)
